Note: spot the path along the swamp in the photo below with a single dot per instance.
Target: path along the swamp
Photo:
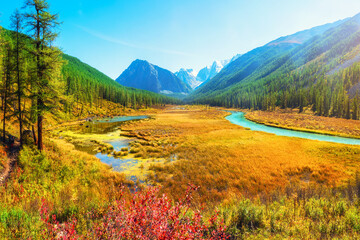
(12, 157)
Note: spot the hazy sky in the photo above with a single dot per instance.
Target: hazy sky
(174, 34)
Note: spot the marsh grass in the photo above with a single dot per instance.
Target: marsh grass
(225, 159)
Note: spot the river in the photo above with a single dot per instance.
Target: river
(238, 118)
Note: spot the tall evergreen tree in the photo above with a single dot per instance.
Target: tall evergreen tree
(17, 27)
(42, 25)
(355, 108)
(7, 81)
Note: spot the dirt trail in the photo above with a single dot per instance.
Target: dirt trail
(12, 154)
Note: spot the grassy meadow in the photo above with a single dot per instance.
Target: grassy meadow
(258, 185)
(225, 159)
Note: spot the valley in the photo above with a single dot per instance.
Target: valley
(223, 158)
(178, 145)
(262, 145)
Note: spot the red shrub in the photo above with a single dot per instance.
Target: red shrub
(145, 216)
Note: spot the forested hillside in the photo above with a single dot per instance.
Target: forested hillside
(37, 78)
(88, 84)
(320, 73)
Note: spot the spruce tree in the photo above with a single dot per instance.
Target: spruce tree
(7, 82)
(17, 27)
(355, 108)
(42, 25)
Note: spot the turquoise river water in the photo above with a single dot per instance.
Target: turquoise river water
(238, 118)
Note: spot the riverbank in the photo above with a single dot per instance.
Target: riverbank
(308, 122)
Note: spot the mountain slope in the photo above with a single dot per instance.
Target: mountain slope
(188, 77)
(82, 83)
(259, 62)
(209, 72)
(144, 75)
(322, 73)
(88, 84)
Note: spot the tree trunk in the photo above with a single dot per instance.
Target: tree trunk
(19, 88)
(5, 108)
(34, 135)
(4, 119)
(40, 126)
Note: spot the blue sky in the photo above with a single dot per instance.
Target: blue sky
(174, 34)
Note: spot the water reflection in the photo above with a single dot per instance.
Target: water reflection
(104, 125)
(108, 126)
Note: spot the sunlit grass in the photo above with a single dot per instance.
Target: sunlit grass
(72, 181)
(248, 176)
(303, 213)
(225, 159)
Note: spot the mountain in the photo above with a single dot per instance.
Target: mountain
(215, 69)
(234, 58)
(86, 85)
(288, 69)
(188, 77)
(209, 72)
(144, 75)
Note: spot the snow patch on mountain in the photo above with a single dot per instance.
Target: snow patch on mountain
(188, 76)
(209, 72)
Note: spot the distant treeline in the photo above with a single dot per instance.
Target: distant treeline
(336, 95)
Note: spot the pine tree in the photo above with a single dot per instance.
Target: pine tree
(302, 102)
(355, 108)
(41, 25)
(7, 81)
(1, 61)
(348, 115)
(17, 27)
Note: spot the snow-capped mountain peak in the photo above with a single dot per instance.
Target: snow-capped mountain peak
(209, 72)
(188, 76)
(193, 79)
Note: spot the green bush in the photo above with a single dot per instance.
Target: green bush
(353, 218)
(244, 216)
(314, 209)
(17, 224)
(134, 150)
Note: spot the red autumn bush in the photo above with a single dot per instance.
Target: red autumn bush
(145, 216)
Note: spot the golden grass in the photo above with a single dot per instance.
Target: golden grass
(67, 178)
(225, 159)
